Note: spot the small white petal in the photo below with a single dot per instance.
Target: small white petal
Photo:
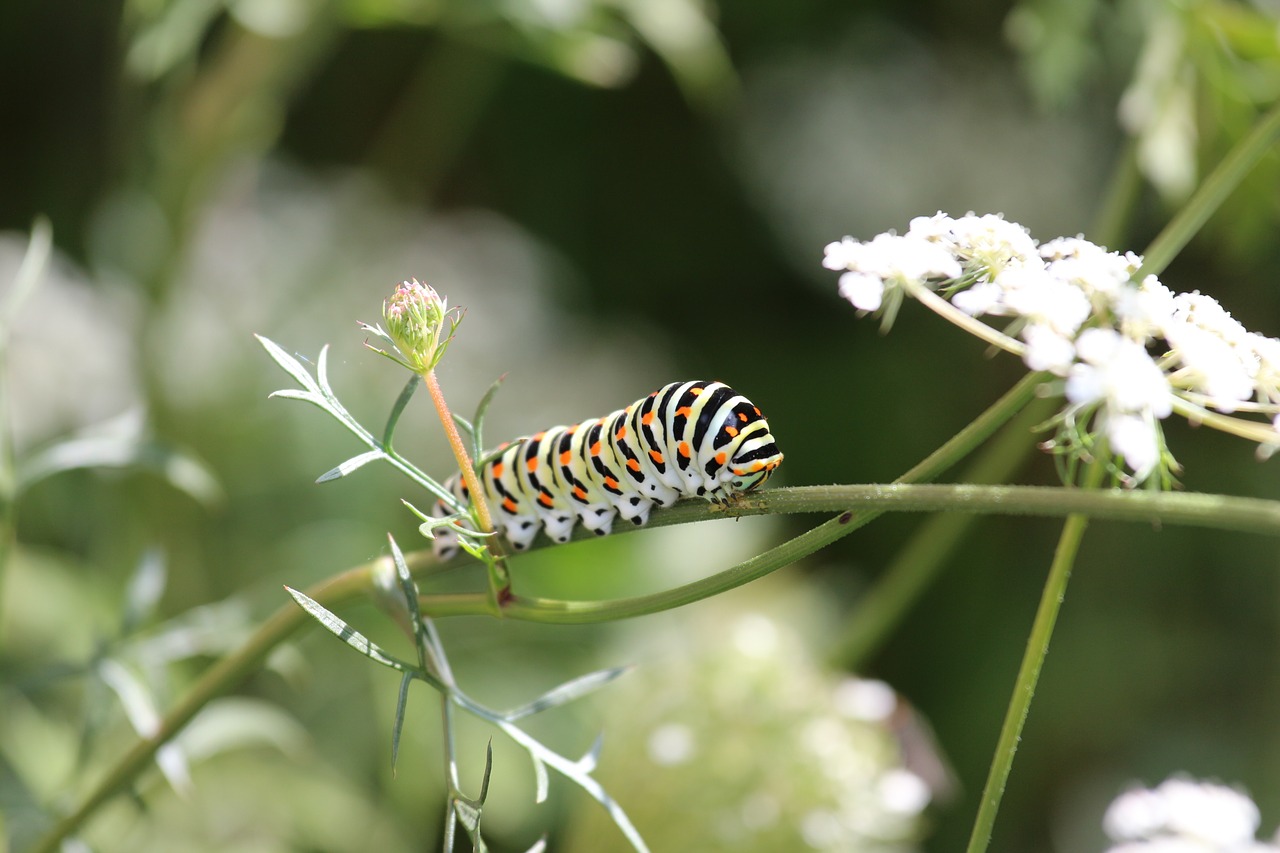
(1047, 350)
(864, 290)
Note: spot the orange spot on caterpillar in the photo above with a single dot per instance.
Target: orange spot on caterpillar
(545, 499)
(633, 464)
(498, 469)
(595, 449)
(579, 493)
(531, 463)
(684, 411)
(720, 458)
(684, 449)
(647, 417)
(730, 431)
(756, 409)
(655, 456)
(621, 433)
(610, 482)
(509, 505)
(566, 458)
(742, 416)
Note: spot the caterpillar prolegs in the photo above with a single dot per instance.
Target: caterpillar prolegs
(687, 439)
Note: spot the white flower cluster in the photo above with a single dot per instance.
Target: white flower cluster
(1184, 816)
(1129, 352)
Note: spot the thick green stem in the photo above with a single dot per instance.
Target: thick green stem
(1055, 590)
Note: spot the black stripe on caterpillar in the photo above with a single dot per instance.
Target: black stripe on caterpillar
(687, 439)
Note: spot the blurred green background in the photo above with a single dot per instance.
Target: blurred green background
(621, 193)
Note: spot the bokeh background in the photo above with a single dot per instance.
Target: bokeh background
(621, 193)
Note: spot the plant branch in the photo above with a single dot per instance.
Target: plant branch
(1055, 590)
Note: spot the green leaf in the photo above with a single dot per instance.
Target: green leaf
(482, 408)
(34, 261)
(144, 591)
(566, 692)
(401, 703)
(351, 465)
(349, 635)
(144, 716)
(175, 466)
(540, 778)
(398, 409)
(290, 364)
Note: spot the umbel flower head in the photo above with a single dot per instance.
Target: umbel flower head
(1127, 352)
(416, 317)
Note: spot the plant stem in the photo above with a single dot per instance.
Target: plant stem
(1055, 590)
(460, 453)
(1211, 193)
(499, 577)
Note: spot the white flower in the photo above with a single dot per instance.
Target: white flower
(1198, 815)
(992, 243)
(1133, 392)
(1120, 372)
(1135, 438)
(1047, 349)
(1144, 311)
(985, 297)
(836, 256)
(864, 290)
(1211, 366)
(1034, 293)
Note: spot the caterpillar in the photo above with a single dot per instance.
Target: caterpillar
(687, 439)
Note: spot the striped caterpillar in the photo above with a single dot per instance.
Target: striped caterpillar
(687, 439)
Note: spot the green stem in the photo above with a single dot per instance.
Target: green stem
(1211, 193)
(1055, 590)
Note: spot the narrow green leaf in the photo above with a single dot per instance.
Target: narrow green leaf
(488, 770)
(176, 466)
(290, 364)
(350, 465)
(540, 777)
(398, 409)
(295, 394)
(322, 373)
(591, 758)
(34, 261)
(144, 590)
(482, 409)
(566, 692)
(349, 635)
(401, 704)
(409, 590)
(144, 716)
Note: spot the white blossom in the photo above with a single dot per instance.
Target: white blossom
(1119, 372)
(1035, 293)
(864, 290)
(1183, 814)
(1127, 348)
(1047, 349)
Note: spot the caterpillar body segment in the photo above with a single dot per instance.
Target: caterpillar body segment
(687, 439)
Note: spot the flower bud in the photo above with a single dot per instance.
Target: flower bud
(416, 317)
